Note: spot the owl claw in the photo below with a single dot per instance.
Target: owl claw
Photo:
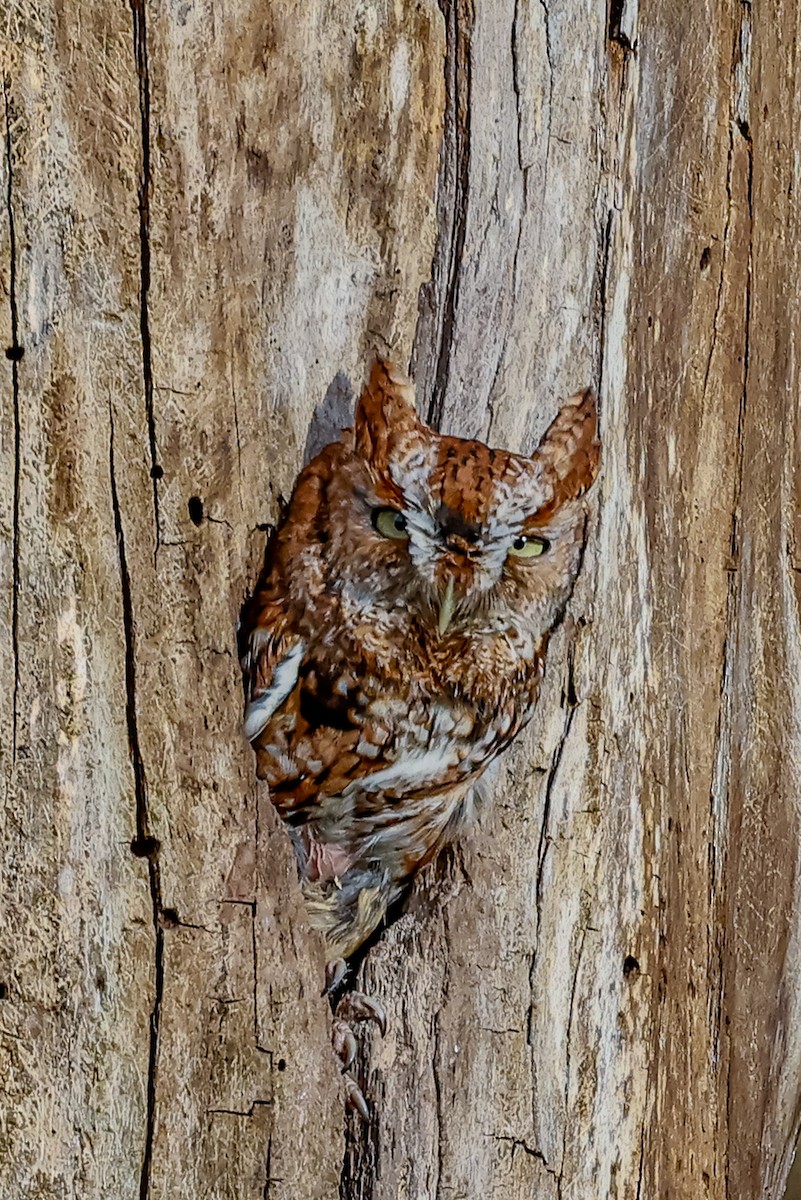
(355, 1006)
(354, 1098)
(344, 1043)
(352, 1009)
(335, 972)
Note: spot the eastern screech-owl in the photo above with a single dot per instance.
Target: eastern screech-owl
(396, 642)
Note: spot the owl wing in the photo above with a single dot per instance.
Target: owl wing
(301, 727)
(271, 666)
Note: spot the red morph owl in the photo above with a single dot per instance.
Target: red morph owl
(396, 642)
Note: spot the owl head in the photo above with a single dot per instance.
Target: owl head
(445, 533)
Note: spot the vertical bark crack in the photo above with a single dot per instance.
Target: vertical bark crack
(621, 65)
(732, 607)
(436, 1060)
(549, 55)
(568, 1036)
(251, 905)
(542, 849)
(138, 11)
(747, 324)
(724, 257)
(144, 844)
(524, 169)
(641, 1168)
(518, 87)
(615, 31)
(719, 787)
(268, 1174)
(603, 296)
(453, 187)
(516, 84)
(14, 353)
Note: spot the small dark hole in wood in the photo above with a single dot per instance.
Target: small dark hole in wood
(100, 981)
(322, 537)
(706, 255)
(195, 507)
(14, 353)
(281, 1064)
(157, 472)
(144, 847)
(170, 918)
(630, 966)
(3, 990)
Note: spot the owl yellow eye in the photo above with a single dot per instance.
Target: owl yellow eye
(390, 523)
(529, 546)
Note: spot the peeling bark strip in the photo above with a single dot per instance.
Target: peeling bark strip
(596, 995)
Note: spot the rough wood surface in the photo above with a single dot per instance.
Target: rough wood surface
(211, 215)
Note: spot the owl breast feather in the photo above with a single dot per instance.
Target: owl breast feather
(373, 762)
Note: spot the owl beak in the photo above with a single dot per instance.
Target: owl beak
(446, 608)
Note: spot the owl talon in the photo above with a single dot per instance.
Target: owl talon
(354, 1098)
(335, 972)
(355, 1006)
(344, 1043)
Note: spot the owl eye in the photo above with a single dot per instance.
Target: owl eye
(529, 546)
(390, 523)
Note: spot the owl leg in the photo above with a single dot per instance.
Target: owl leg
(346, 912)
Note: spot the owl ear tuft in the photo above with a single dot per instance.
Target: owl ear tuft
(570, 450)
(384, 414)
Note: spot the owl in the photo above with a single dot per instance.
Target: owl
(395, 645)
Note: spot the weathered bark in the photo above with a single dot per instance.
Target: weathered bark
(212, 214)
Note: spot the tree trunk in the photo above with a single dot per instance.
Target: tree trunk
(213, 214)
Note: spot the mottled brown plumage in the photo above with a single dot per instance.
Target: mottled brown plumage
(396, 644)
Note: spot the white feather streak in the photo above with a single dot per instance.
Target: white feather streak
(285, 676)
(413, 769)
